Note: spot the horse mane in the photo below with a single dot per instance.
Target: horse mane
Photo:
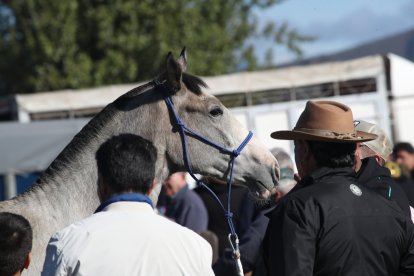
(194, 83)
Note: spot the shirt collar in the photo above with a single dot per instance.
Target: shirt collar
(128, 206)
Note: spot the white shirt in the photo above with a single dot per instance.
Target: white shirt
(127, 238)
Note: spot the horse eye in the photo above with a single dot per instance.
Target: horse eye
(215, 112)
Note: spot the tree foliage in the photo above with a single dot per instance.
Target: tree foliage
(48, 45)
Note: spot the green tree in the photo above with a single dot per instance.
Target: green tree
(47, 45)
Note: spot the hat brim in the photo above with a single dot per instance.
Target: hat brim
(301, 135)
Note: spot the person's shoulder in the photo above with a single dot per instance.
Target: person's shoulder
(79, 228)
(166, 224)
(176, 229)
(193, 197)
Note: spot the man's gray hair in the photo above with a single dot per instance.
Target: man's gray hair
(286, 166)
(282, 158)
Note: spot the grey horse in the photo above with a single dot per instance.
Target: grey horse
(67, 192)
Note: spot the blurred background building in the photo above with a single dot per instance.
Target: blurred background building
(378, 88)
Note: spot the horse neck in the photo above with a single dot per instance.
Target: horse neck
(70, 181)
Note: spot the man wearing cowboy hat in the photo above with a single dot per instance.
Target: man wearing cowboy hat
(329, 224)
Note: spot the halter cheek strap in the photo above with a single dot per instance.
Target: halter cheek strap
(184, 131)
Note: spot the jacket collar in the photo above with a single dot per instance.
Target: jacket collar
(324, 172)
(371, 170)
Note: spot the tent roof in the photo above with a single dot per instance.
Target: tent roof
(33, 146)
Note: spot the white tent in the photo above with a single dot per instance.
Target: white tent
(33, 146)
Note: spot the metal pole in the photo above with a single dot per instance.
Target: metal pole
(10, 188)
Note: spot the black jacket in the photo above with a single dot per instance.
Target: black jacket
(242, 206)
(407, 185)
(378, 178)
(330, 225)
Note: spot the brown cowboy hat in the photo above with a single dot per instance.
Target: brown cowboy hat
(327, 121)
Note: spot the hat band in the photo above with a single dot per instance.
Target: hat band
(330, 133)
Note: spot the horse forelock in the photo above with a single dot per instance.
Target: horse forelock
(193, 83)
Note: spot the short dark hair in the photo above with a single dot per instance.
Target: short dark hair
(127, 163)
(403, 146)
(333, 155)
(15, 242)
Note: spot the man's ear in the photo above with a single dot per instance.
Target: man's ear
(379, 160)
(308, 155)
(27, 260)
(103, 188)
(154, 182)
(306, 149)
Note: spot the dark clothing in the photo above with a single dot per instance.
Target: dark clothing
(250, 248)
(330, 225)
(378, 178)
(241, 205)
(407, 185)
(250, 223)
(187, 209)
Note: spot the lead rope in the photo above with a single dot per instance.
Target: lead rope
(183, 130)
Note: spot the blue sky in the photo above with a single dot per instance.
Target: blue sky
(338, 24)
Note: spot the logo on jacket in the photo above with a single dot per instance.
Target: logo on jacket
(355, 190)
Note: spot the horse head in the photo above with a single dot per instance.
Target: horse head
(256, 167)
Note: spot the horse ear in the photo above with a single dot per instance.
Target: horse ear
(174, 73)
(182, 60)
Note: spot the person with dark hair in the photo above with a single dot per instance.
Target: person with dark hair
(15, 244)
(329, 224)
(403, 154)
(125, 236)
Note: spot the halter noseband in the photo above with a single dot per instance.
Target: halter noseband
(184, 131)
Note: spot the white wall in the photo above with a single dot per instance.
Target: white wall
(404, 119)
(402, 90)
(402, 76)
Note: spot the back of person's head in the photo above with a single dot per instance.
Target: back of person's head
(403, 154)
(15, 243)
(333, 155)
(381, 146)
(127, 163)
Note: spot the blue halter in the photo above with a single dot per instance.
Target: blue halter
(184, 130)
